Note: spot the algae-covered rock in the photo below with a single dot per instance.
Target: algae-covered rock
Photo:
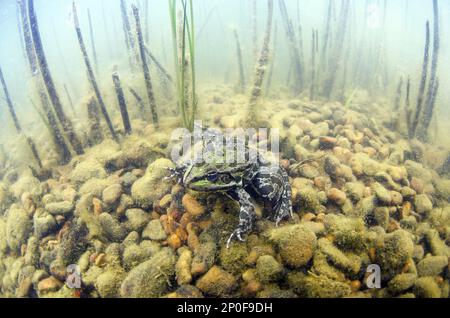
(233, 259)
(401, 283)
(133, 255)
(346, 262)
(348, 233)
(308, 199)
(427, 287)
(112, 229)
(394, 252)
(18, 227)
(88, 169)
(443, 188)
(295, 243)
(111, 194)
(43, 223)
(432, 265)
(151, 278)
(268, 269)
(204, 257)
(3, 242)
(422, 204)
(154, 231)
(59, 208)
(152, 186)
(137, 219)
(108, 283)
(216, 282)
(183, 267)
(317, 286)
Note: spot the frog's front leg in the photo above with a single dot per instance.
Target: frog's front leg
(247, 214)
(284, 206)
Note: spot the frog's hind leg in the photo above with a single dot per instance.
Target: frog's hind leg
(246, 215)
(283, 208)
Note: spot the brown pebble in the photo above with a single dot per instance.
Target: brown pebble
(49, 284)
(336, 196)
(252, 287)
(174, 241)
(355, 285)
(192, 206)
(327, 142)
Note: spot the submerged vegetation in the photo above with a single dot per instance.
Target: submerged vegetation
(357, 94)
(183, 40)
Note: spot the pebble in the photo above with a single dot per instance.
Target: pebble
(154, 231)
(112, 194)
(192, 206)
(336, 196)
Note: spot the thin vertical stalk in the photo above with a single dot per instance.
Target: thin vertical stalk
(338, 48)
(48, 81)
(95, 131)
(57, 135)
(139, 100)
(129, 39)
(313, 66)
(69, 98)
(423, 83)
(145, 69)
(17, 125)
(260, 69)
(433, 85)
(240, 63)
(398, 94)
(122, 103)
(90, 73)
(294, 50)
(161, 68)
(91, 32)
(272, 60)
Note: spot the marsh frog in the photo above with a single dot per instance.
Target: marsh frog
(257, 178)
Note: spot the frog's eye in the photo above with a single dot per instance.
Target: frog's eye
(225, 179)
(212, 177)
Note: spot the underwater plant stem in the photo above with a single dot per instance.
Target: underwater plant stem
(122, 103)
(423, 82)
(27, 37)
(398, 94)
(158, 64)
(326, 35)
(313, 66)
(139, 100)
(95, 131)
(91, 32)
(272, 61)
(48, 81)
(184, 55)
(61, 146)
(338, 48)
(294, 50)
(69, 98)
(90, 73)
(240, 63)
(433, 85)
(12, 111)
(129, 39)
(145, 69)
(260, 70)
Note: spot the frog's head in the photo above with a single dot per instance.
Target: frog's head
(206, 178)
